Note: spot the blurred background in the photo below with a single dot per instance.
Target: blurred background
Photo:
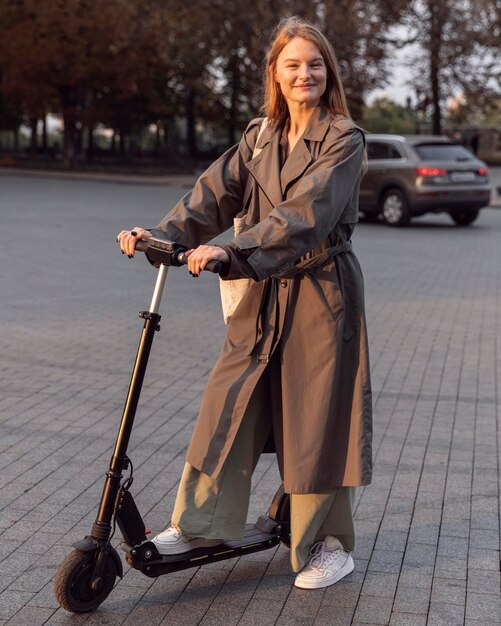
(167, 85)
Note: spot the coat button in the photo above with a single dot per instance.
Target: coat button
(283, 283)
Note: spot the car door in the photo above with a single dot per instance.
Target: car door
(384, 158)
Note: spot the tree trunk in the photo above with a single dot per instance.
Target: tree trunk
(90, 143)
(69, 152)
(78, 139)
(114, 142)
(157, 138)
(16, 139)
(191, 137)
(165, 132)
(70, 128)
(45, 141)
(437, 10)
(235, 88)
(33, 136)
(121, 144)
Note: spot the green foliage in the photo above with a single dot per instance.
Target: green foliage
(386, 116)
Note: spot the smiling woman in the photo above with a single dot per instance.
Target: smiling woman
(294, 367)
(301, 73)
(298, 52)
(302, 77)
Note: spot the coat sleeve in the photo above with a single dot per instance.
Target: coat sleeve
(302, 222)
(217, 197)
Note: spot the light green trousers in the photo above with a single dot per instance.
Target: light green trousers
(217, 509)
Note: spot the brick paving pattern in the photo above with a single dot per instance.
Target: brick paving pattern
(428, 527)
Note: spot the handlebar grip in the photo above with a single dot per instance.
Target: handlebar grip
(212, 266)
(173, 257)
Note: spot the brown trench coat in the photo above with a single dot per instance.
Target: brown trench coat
(309, 316)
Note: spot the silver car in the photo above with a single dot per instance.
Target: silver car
(412, 175)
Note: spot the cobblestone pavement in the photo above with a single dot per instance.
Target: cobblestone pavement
(428, 527)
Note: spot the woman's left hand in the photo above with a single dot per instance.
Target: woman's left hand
(199, 257)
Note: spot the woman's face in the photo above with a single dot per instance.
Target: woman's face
(301, 73)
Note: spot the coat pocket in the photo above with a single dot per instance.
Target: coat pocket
(327, 288)
(244, 329)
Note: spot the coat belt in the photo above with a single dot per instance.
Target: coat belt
(310, 265)
(271, 317)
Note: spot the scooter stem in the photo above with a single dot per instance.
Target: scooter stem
(159, 289)
(101, 529)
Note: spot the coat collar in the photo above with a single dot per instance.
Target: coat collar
(318, 125)
(265, 168)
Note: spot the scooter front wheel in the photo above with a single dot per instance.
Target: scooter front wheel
(72, 582)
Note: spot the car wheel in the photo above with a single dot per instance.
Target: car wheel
(394, 208)
(465, 218)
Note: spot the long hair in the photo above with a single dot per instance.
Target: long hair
(274, 103)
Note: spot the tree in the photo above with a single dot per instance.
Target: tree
(10, 119)
(460, 42)
(68, 55)
(360, 33)
(386, 116)
(130, 63)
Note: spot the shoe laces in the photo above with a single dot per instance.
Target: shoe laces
(174, 531)
(321, 556)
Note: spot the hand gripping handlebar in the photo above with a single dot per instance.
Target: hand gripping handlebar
(171, 253)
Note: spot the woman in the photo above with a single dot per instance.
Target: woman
(294, 364)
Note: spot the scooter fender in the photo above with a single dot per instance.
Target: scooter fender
(89, 545)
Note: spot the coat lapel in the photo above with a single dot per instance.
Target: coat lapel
(301, 155)
(265, 168)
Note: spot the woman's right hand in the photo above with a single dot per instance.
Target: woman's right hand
(127, 239)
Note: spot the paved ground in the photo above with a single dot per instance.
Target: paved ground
(179, 180)
(428, 527)
(495, 178)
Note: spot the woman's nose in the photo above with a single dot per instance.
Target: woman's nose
(304, 72)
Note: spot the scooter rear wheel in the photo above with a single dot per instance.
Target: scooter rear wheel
(280, 511)
(72, 582)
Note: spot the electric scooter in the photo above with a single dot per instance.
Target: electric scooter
(87, 575)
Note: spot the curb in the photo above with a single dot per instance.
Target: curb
(179, 180)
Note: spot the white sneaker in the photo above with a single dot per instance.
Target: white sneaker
(329, 563)
(172, 540)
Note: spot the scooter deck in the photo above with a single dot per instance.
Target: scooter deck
(145, 559)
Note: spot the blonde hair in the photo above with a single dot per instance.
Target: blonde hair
(274, 103)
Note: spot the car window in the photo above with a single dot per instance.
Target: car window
(382, 150)
(443, 152)
(377, 150)
(394, 152)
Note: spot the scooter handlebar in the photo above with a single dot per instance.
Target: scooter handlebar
(171, 254)
(216, 267)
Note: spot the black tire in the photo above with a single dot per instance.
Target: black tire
(465, 218)
(71, 584)
(394, 207)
